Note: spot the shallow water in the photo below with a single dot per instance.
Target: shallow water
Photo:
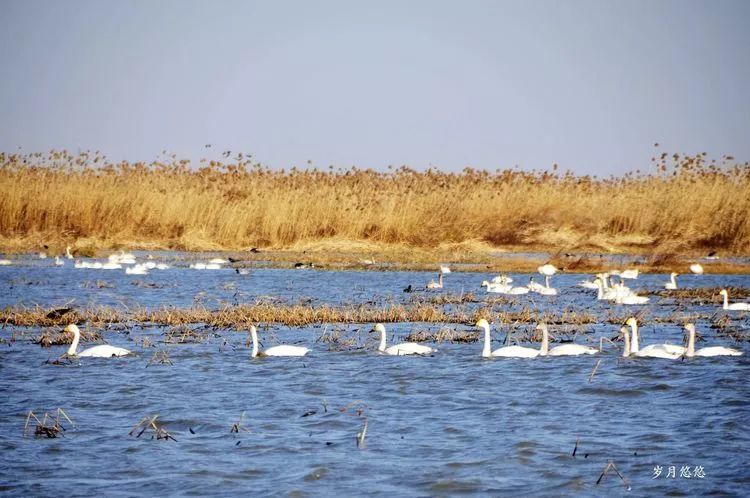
(442, 425)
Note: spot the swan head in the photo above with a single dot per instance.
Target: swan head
(631, 321)
(485, 283)
(379, 328)
(542, 326)
(482, 323)
(674, 274)
(690, 327)
(723, 292)
(624, 331)
(72, 329)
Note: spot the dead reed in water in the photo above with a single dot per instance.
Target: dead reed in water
(149, 423)
(50, 426)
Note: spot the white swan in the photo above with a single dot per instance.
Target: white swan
(672, 284)
(496, 287)
(122, 258)
(590, 284)
(205, 266)
(666, 351)
(563, 349)
(5, 262)
(136, 270)
(534, 286)
(101, 351)
(710, 351)
(733, 306)
(627, 273)
(111, 266)
(59, 262)
(432, 285)
(624, 296)
(502, 279)
(546, 290)
(68, 254)
(507, 351)
(404, 348)
(547, 270)
(283, 350)
(218, 261)
(696, 268)
(602, 294)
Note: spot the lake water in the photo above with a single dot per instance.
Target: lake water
(448, 424)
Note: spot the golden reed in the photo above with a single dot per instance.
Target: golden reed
(687, 204)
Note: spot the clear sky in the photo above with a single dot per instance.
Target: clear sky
(590, 85)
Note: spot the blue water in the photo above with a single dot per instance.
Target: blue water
(443, 425)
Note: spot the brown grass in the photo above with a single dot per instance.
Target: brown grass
(688, 204)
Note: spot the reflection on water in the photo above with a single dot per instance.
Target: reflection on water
(448, 424)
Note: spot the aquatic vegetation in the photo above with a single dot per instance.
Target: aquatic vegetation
(687, 203)
(149, 423)
(43, 427)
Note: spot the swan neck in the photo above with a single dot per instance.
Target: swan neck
(634, 338)
(544, 349)
(254, 335)
(726, 301)
(381, 347)
(487, 351)
(674, 281)
(691, 343)
(626, 350)
(73, 349)
(546, 281)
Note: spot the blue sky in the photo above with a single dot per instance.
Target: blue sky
(590, 85)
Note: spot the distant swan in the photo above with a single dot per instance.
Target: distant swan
(137, 270)
(432, 285)
(733, 306)
(547, 270)
(696, 268)
(626, 273)
(672, 284)
(546, 290)
(563, 349)
(404, 348)
(5, 262)
(101, 351)
(218, 261)
(283, 350)
(68, 254)
(507, 351)
(206, 266)
(602, 294)
(710, 351)
(59, 262)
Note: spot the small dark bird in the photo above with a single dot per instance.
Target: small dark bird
(58, 313)
(255, 250)
(233, 260)
(409, 289)
(208, 146)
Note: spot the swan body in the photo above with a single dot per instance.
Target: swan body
(534, 286)
(101, 351)
(623, 295)
(733, 306)
(696, 268)
(709, 351)
(136, 270)
(122, 258)
(546, 290)
(631, 274)
(547, 270)
(58, 261)
(218, 261)
(563, 349)
(672, 284)
(504, 352)
(496, 287)
(282, 350)
(206, 266)
(502, 279)
(42, 255)
(402, 349)
(5, 262)
(111, 266)
(586, 284)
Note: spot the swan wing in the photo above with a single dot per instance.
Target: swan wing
(286, 350)
(406, 348)
(718, 351)
(103, 351)
(656, 351)
(739, 307)
(571, 350)
(516, 352)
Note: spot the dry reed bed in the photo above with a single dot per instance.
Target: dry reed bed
(295, 315)
(689, 203)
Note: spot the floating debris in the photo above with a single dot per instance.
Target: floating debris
(42, 428)
(237, 426)
(160, 357)
(150, 423)
(611, 466)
